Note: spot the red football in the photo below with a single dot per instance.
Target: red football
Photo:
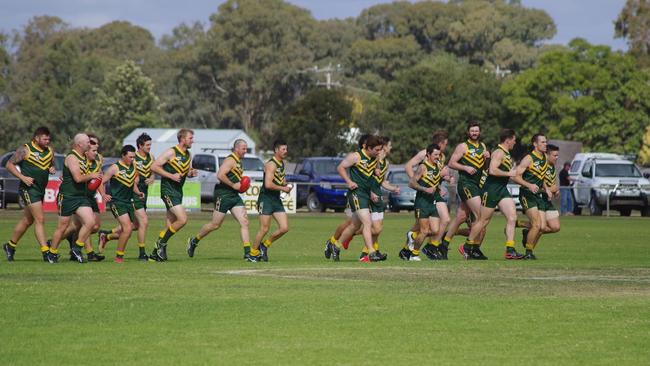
(244, 184)
(94, 183)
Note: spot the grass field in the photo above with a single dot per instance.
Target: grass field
(586, 301)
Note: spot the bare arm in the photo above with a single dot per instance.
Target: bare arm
(456, 156)
(149, 181)
(413, 182)
(75, 170)
(136, 190)
(110, 172)
(415, 161)
(269, 171)
(227, 166)
(521, 168)
(157, 166)
(19, 156)
(349, 161)
(495, 161)
(386, 184)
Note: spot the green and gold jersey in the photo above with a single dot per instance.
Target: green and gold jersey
(505, 166)
(536, 171)
(70, 188)
(430, 178)
(278, 178)
(143, 166)
(122, 183)
(234, 175)
(473, 157)
(94, 166)
(362, 172)
(36, 164)
(378, 179)
(180, 164)
(551, 176)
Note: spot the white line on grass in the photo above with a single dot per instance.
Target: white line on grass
(606, 278)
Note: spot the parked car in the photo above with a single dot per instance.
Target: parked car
(11, 183)
(405, 200)
(318, 185)
(207, 165)
(599, 177)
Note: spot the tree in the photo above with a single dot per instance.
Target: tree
(585, 93)
(644, 153)
(255, 52)
(315, 125)
(439, 93)
(125, 102)
(633, 24)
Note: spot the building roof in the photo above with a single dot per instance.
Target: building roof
(200, 135)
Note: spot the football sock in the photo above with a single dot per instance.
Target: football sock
(375, 246)
(255, 252)
(247, 248)
(12, 244)
(141, 248)
(510, 244)
(165, 235)
(267, 243)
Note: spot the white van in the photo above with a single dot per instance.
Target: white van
(207, 165)
(602, 177)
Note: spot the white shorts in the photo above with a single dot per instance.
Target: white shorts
(348, 212)
(377, 216)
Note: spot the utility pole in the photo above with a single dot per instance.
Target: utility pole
(328, 71)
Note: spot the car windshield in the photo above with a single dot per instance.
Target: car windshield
(326, 167)
(617, 170)
(250, 164)
(399, 178)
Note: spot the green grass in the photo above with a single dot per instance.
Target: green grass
(585, 301)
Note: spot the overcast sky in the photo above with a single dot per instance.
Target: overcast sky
(589, 19)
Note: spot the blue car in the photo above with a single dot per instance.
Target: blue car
(318, 185)
(405, 200)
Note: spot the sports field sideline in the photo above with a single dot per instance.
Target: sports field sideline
(586, 300)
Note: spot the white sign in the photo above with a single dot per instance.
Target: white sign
(250, 199)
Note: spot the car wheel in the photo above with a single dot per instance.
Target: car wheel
(594, 208)
(625, 211)
(313, 203)
(645, 212)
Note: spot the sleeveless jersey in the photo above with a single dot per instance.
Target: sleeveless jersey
(180, 163)
(551, 176)
(143, 167)
(361, 173)
(505, 166)
(36, 164)
(234, 175)
(122, 183)
(70, 188)
(378, 179)
(431, 178)
(278, 178)
(474, 158)
(94, 166)
(536, 171)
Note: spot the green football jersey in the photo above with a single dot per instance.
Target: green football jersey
(278, 177)
(70, 188)
(122, 183)
(505, 166)
(536, 170)
(234, 175)
(474, 158)
(180, 164)
(362, 172)
(36, 164)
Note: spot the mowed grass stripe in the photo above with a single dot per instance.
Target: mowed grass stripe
(586, 301)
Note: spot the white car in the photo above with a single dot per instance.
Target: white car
(602, 177)
(207, 165)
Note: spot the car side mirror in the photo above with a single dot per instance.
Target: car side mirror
(646, 175)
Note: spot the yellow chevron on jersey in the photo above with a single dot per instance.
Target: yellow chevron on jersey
(538, 167)
(432, 176)
(366, 165)
(181, 164)
(40, 158)
(124, 176)
(382, 165)
(143, 164)
(551, 176)
(473, 155)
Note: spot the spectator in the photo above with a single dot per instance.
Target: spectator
(566, 198)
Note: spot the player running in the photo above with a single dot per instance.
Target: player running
(32, 164)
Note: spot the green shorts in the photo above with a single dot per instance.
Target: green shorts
(468, 189)
(425, 206)
(31, 195)
(140, 204)
(493, 193)
(269, 204)
(546, 204)
(379, 206)
(123, 208)
(529, 199)
(172, 200)
(224, 202)
(358, 200)
(93, 204)
(68, 205)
